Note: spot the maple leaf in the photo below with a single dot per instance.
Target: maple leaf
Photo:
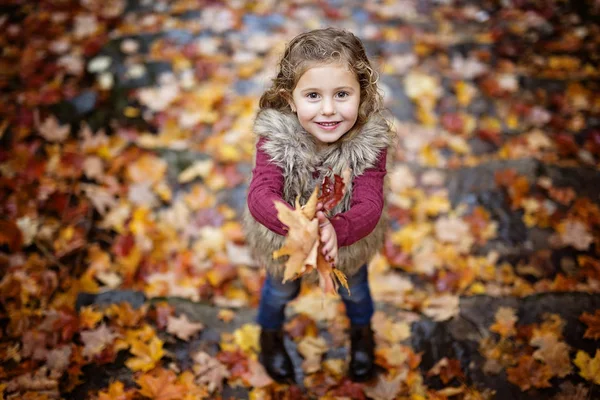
(302, 240)
(182, 327)
(209, 371)
(553, 353)
(257, 376)
(505, 322)
(442, 308)
(529, 373)
(593, 323)
(116, 391)
(332, 191)
(385, 389)
(589, 368)
(51, 130)
(160, 385)
(10, 235)
(147, 354)
(312, 349)
(95, 341)
(447, 369)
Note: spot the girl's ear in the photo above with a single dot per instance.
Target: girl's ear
(288, 98)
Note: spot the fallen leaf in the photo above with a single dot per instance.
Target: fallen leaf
(147, 355)
(257, 376)
(529, 373)
(209, 371)
(384, 389)
(115, 391)
(97, 340)
(161, 384)
(442, 308)
(593, 323)
(589, 368)
(505, 322)
(182, 327)
(553, 353)
(447, 369)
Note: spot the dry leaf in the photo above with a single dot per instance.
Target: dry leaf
(529, 373)
(182, 327)
(95, 341)
(147, 355)
(384, 389)
(442, 308)
(589, 368)
(209, 371)
(505, 322)
(160, 385)
(593, 323)
(302, 239)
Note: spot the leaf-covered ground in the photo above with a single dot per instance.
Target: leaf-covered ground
(125, 152)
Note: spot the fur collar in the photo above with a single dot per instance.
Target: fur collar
(289, 143)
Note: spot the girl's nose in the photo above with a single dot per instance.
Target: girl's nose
(327, 107)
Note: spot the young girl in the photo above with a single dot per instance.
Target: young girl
(321, 115)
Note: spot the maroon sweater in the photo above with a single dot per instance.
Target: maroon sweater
(360, 220)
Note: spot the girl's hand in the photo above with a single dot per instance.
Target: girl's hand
(328, 238)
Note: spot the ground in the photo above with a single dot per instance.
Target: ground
(126, 151)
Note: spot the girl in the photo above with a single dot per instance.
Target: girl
(321, 115)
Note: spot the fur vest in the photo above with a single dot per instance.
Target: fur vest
(294, 150)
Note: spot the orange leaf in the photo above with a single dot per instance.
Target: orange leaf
(593, 323)
(115, 392)
(529, 373)
(505, 322)
(447, 370)
(161, 385)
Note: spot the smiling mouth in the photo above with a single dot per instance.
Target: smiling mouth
(329, 124)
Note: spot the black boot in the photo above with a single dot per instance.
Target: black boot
(274, 357)
(362, 353)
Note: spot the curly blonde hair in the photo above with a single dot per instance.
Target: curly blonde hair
(321, 47)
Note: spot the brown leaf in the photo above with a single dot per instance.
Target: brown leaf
(553, 353)
(447, 369)
(182, 327)
(384, 389)
(529, 373)
(257, 376)
(10, 235)
(97, 340)
(209, 371)
(593, 323)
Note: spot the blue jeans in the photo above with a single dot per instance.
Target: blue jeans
(275, 296)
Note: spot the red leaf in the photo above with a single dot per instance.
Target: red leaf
(453, 123)
(331, 192)
(565, 144)
(10, 235)
(123, 244)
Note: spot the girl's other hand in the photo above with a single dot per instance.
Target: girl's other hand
(328, 238)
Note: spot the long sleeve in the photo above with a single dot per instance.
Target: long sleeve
(266, 186)
(366, 205)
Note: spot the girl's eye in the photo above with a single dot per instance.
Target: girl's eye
(312, 95)
(343, 94)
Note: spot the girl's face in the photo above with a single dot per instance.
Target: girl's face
(326, 100)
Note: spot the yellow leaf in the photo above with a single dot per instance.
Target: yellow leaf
(147, 355)
(589, 367)
(301, 242)
(246, 338)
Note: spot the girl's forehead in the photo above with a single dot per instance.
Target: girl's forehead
(320, 71)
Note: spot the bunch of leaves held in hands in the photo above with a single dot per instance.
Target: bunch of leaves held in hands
(302, 243)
